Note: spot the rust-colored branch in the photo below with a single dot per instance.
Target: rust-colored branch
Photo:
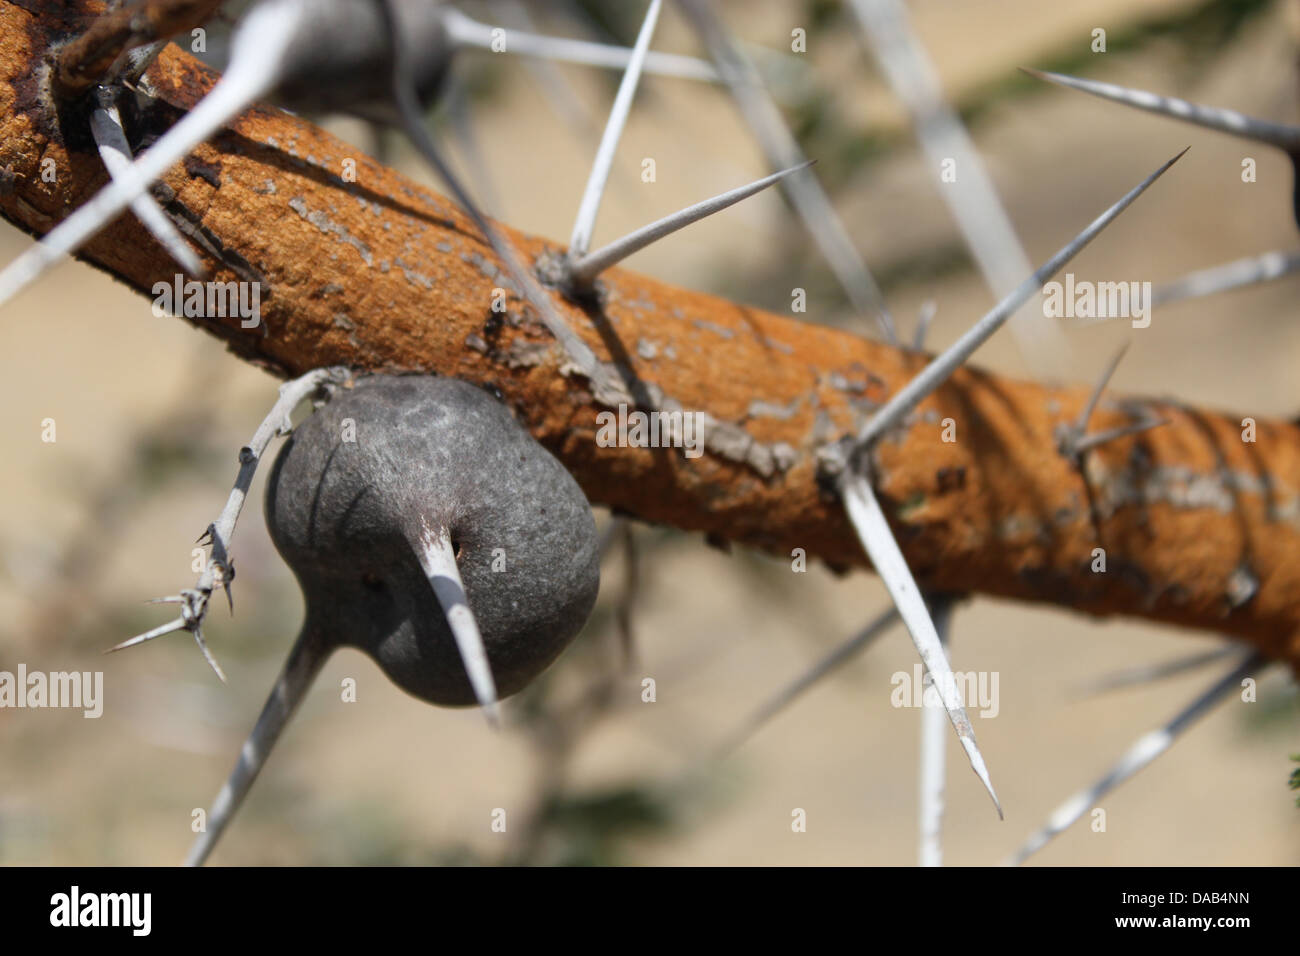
(85, 60)
(1199, 528)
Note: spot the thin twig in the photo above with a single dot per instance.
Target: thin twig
(1283, 136)
(468, 32)
(459, 112)
(219, 570)
(782, 151)
(971, 196)
(938, 371)
(412, 122)
(1231, 275)
(1141, 754)
(831, 662)
(1150, 673)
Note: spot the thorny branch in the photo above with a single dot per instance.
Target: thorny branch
(219, 570)
(382, 274)
(84, 61)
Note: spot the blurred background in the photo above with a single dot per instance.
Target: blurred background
(151, 413)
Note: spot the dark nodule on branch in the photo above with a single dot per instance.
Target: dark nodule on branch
(413, 508)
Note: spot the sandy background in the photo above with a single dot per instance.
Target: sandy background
(150, 414)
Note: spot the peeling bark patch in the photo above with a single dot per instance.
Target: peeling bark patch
(713, 327)
(327, 226)
(491, 270)
(724, 439)
(521, 354)
(764, 409)
(1182, 487)
(412, 275)
(768, 342)
(839, 382)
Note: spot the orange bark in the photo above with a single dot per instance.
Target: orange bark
(382, 274)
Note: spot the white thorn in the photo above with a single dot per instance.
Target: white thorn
(115, 151)
(411, 119)
(814, 208)
(1081, 424)
(553, 83)
(1225, 121)
(459, 112)
(301, 667)
(1088, 442)
(838, 656)
(140, 59)
(159, 631)
(938, 371)
(878, 540)
(197, 631)
(934, 752)
(587, 267)
(438, 559)
(1138, 756)
(263, 35)
(470, 33)
(972, 198)
(591, 196)
(195, 601)
(923, 320)
(1150, 673)
(1231, 275)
